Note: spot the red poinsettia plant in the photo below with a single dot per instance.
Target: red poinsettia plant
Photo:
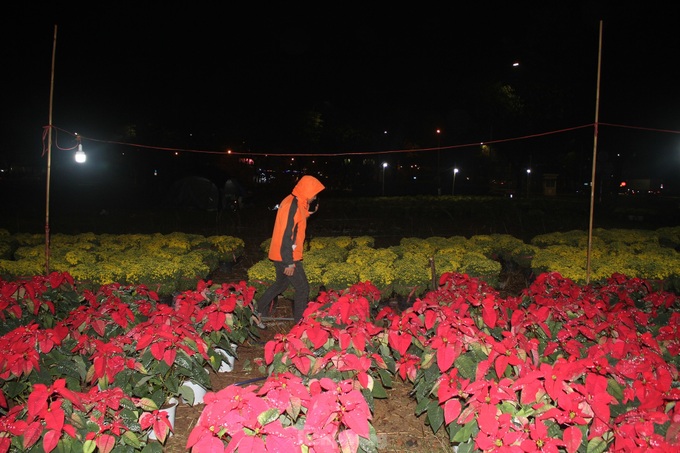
(559, 368)
(57, 419)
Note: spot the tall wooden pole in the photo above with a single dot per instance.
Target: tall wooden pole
(49, 160)
(592, 178)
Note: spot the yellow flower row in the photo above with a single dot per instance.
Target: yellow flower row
(169, 262)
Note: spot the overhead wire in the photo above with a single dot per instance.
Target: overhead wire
(347, 153)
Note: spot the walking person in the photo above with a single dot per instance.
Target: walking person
(287, 244)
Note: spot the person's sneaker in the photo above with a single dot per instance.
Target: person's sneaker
(257, 320)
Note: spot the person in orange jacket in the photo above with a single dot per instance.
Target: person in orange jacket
(287, 244)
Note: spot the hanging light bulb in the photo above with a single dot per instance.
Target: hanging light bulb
(80, 154)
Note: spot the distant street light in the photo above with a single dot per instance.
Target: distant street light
(384, 166)
(528, 180)
(453, 186)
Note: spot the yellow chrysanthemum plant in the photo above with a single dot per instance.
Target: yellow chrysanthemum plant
(165, 263)
(634, 253)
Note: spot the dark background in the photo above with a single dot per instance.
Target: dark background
(161, 90)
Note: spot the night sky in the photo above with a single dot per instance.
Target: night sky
(246, 78)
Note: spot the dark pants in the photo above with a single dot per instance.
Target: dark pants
(300, 285)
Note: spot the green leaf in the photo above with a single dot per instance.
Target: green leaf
(614, 389)
(385, 377)
(466, 365)
(421, 406)
(427, 360)
(65, 445)
(148, 405)
(368, 396)
(132, 439)
(466, 447)
(435, 415)
(268, 416)
(378, 389)
(369, 445)
(89, 446)
(465, 433)
(453, 429)
(153, 447)
(183, 360)
(596, 445)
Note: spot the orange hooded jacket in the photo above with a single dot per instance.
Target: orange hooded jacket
(291, 221)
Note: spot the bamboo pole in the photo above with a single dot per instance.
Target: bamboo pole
(592, 178)
(49, 160)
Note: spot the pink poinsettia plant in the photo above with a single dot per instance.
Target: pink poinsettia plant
(285, 414)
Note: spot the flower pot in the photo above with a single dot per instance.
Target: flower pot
(228, 360)
(169, 408)
(199, 392)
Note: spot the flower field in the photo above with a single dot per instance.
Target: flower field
(561, 367)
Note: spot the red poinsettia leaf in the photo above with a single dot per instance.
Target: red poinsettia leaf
(359, 341)
(446, 355)
(169, 356)
(99, 326)
(489, 314)
(673, 433)
(201, 285)
(317, 336)
(37, 400)
(162, 427)
(56, 278)
(106, 443)
(364, 379)
(251, 443)
(70, 430)
(205, 440)
(344, 340)
(348, 440)
(398, 341)
(269, 352)
(99, 367)
(487, 419)
(158, 350)
(51, 439)
(302, 363)
(30, 289)
(32, 434)
(54, 418)
(572, 439)
(357, 421)
(216, 320)
(452, 409)
(144, 341)
(279, 442)
(500, 365)
(120, 317)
